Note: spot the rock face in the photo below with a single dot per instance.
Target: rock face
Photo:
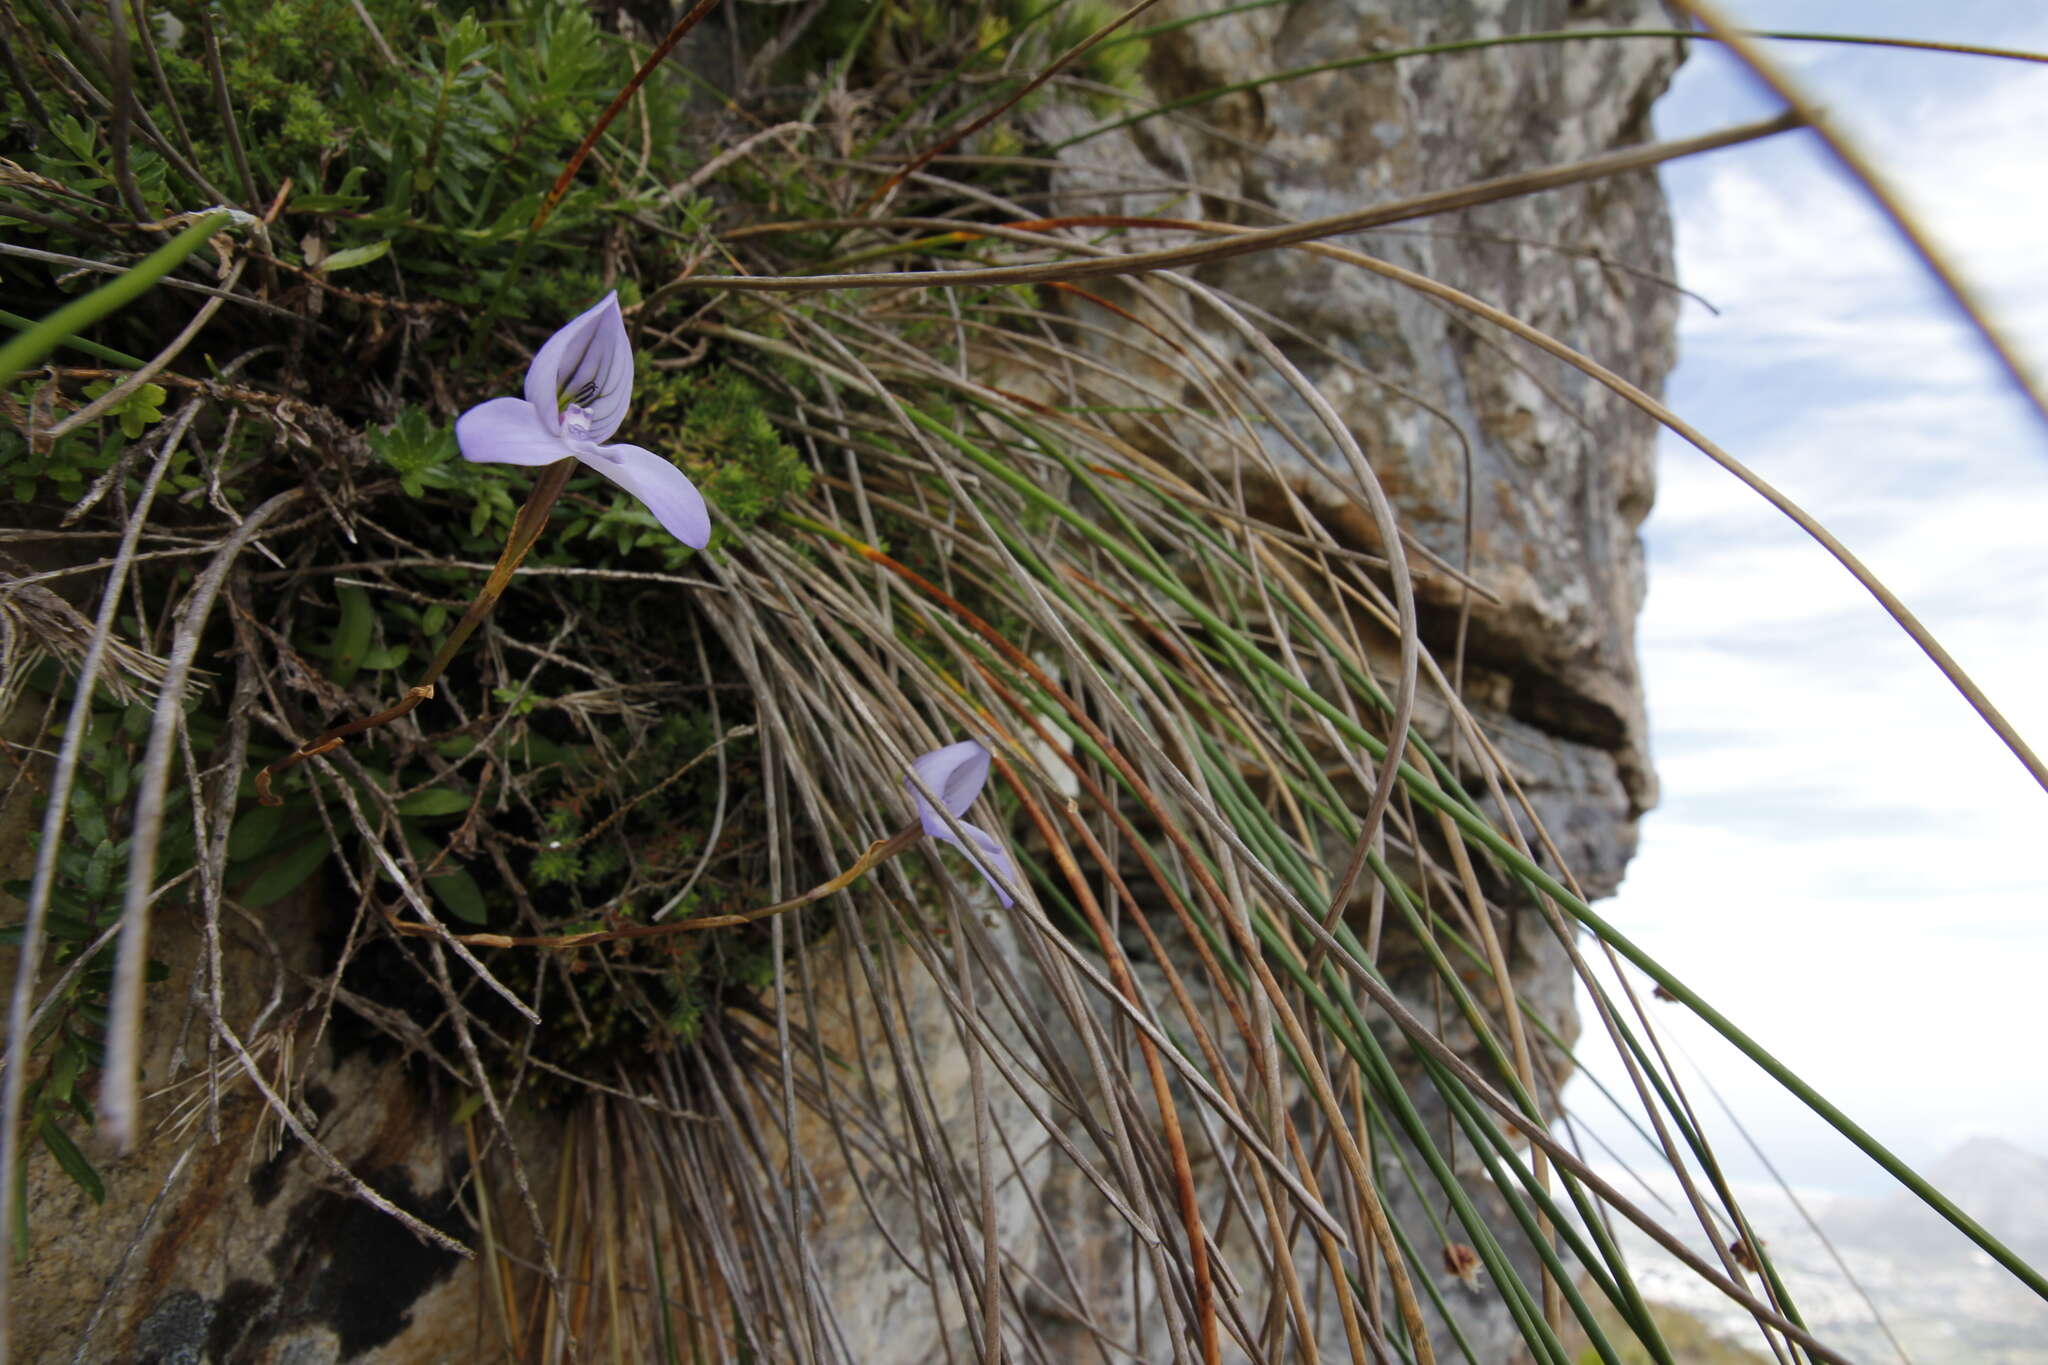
(245, 1247)
(250, 1252)
(1452, 413)
(1498, 459)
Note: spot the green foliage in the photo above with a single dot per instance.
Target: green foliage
(68, 465)
(415, 446)
(76, 459)
(142, 408)
(518, 700)
(275, 850)
(1018, 37)
(431, 166)
(452, 886)
(423, 455)
(613, 839)
(717, 422)
(79, 159)
(85, 904)
(413, 185)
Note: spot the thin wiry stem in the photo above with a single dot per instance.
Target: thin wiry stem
(56, 807)
(224, 107)
(1918, 240)
(1264, 239)
(121, 73)
(119, 1101)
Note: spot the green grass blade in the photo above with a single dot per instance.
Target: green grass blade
(28, 348)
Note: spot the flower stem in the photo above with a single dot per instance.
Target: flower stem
(871, 857)
(489, 317)
(526, 529)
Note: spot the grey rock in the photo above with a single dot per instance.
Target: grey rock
(174, 1333)
(1560, 470)
(1557, 472)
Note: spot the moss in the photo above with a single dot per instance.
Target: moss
(717, 423)
(1005, 35)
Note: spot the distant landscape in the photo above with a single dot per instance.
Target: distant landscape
(1945, 1302)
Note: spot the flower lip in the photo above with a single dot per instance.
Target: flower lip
(957, 774)
(507, 431)
(577, 424)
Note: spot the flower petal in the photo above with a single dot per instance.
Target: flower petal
(507, 431)
(994, 862)
(956, 775)
(588, 363)
(666, 490)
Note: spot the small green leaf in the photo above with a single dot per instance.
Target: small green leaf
(346, 195)
(413, 445)
(99, 872)
(285, 875)
(77, 136)
(352, 636)
(73, 1161)
(139, 409)
(540, 749)
(60, 927)
(454, 888)
(460, 896)
(85, 814)
(355, 256)
(65, 1068)
(255, 829)
(434, 801)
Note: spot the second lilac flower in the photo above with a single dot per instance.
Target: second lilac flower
(956, 775)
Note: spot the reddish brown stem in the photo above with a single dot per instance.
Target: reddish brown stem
(925, 157)
(1162, 1093)
(611, 111)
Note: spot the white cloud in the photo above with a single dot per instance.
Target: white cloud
(1846, 857)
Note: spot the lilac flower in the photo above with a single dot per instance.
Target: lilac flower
(956, 774)
(577, 390)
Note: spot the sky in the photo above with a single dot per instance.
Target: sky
(1845, 860)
